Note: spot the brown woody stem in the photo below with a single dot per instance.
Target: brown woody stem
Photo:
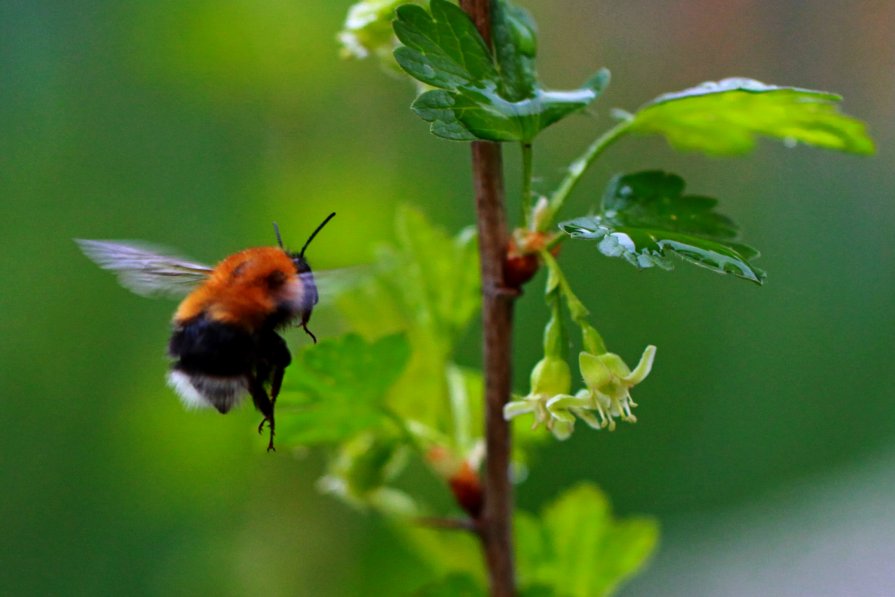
(495, 522)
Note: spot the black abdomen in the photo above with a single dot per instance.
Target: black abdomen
(212, 348)
(217, 364)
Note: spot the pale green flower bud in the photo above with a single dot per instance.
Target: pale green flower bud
(551, 376)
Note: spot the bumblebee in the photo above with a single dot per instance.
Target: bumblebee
(225, 344)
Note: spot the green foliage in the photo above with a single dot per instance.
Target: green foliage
(724, 118)
(515, 47)
(391, 391)
(426, 286)
(455, 585)
(442, 49)
(578, 549)
(446, 553)
(645, 215)
(337, 389)
(348, 393)
(424, 289)
(574, 548)
(362, 470)
(477, 98)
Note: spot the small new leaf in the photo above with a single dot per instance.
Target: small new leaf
(578, 549)
(645, 215)
(477, 98)
(726, 117)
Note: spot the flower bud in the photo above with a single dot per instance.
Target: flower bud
(551, 376)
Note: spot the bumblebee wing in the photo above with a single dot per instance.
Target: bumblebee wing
(145, 270)
(332, 283)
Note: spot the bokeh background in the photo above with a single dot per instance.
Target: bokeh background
(766, 441)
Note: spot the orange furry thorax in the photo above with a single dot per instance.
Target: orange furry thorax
(244, 289)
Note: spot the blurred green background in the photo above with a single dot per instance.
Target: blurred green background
(766, 441)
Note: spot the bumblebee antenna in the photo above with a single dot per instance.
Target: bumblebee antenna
(279, 238)
(313, 234)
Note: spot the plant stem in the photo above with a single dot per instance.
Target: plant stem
(450, 524)
(580, 166)
(495, 523)
(526, 202)
(497, 320)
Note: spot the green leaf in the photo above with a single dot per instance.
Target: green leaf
(369, 462)
(578, 549)
(515, 46)
(465, 391)
(474, 98)
(437, 274)
(445, 552)
(443, 49)
(360, 472)
(335, 389)
(475, 114)
(426, 286)
(645, 215)
(726, 117)
(454, 585)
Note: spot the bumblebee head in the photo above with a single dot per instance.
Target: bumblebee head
(308, 294)
(301, 264)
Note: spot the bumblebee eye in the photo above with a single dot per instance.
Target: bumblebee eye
(301, 265)
(276, 279)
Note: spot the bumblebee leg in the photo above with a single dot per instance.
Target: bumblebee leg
(276, 381)
(279, 358)
(264, 404)
(275, 357)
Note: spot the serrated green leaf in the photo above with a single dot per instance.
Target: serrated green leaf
(515, 46)
(350, 366)
(313, 424)
(578, 549)
(441, 109)
(442, 49)
(474, 114)
(426, 286)
(335, 389)
(656, 199)
(646, 215)
(426, 279)
(439, 273)
(475, 99)
(726, 117)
